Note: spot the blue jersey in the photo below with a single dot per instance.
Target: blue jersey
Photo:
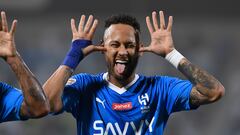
(141, 108)
(10, 103)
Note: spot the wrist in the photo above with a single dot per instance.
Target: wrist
(17, 64)
(13, 59)
(75, 54)
(174, 57)
(81, 43)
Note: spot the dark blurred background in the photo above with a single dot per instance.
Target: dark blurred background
(207, 32)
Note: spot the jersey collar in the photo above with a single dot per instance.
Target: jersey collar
(116, 88)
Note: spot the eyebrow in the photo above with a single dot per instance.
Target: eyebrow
(124, 42)
(114, 41)
(130, 42)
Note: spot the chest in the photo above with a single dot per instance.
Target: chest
(105, 111)
(111, 107)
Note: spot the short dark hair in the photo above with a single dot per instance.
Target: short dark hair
(124, 19)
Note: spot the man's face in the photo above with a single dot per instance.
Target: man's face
(122, 51)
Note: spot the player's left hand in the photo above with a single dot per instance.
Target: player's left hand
(7, 44)
(161, 36)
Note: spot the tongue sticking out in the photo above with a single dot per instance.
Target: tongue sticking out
(120, 68)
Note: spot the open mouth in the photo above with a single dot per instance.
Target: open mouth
(120, 66)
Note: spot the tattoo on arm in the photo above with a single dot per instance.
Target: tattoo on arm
(196, 98)
(67, 74)
(204, 83)
(35, 100)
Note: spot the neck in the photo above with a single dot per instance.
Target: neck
(120, 82)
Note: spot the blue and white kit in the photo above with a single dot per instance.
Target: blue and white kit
(141, 108)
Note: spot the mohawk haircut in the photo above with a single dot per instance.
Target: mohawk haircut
(124, 19)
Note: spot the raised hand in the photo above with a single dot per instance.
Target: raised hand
(7, 44)
(161, 36)
(86, 32)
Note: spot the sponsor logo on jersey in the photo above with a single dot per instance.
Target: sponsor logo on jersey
(100, 101)
(122, 106)
(102, 128)
(71, 81)
(144, 101)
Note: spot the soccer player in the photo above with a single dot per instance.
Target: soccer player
(15, 105)
(119, 101)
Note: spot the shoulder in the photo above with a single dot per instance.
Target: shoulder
(87, 76)
(167, 79)
(84, 79)
(4, 87)
(162, 82)
(9, 92)
(158, 78)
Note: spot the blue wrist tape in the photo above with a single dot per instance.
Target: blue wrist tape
(75, 54)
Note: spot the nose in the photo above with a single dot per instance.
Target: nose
(122, 50)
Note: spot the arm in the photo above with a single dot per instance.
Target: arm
(54, 86)
(206, 89)
(35, 103)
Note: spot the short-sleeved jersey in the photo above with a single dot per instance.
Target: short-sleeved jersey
(142, 109)
(10, 103)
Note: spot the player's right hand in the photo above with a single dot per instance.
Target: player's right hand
(7, 44)
(86, 32)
